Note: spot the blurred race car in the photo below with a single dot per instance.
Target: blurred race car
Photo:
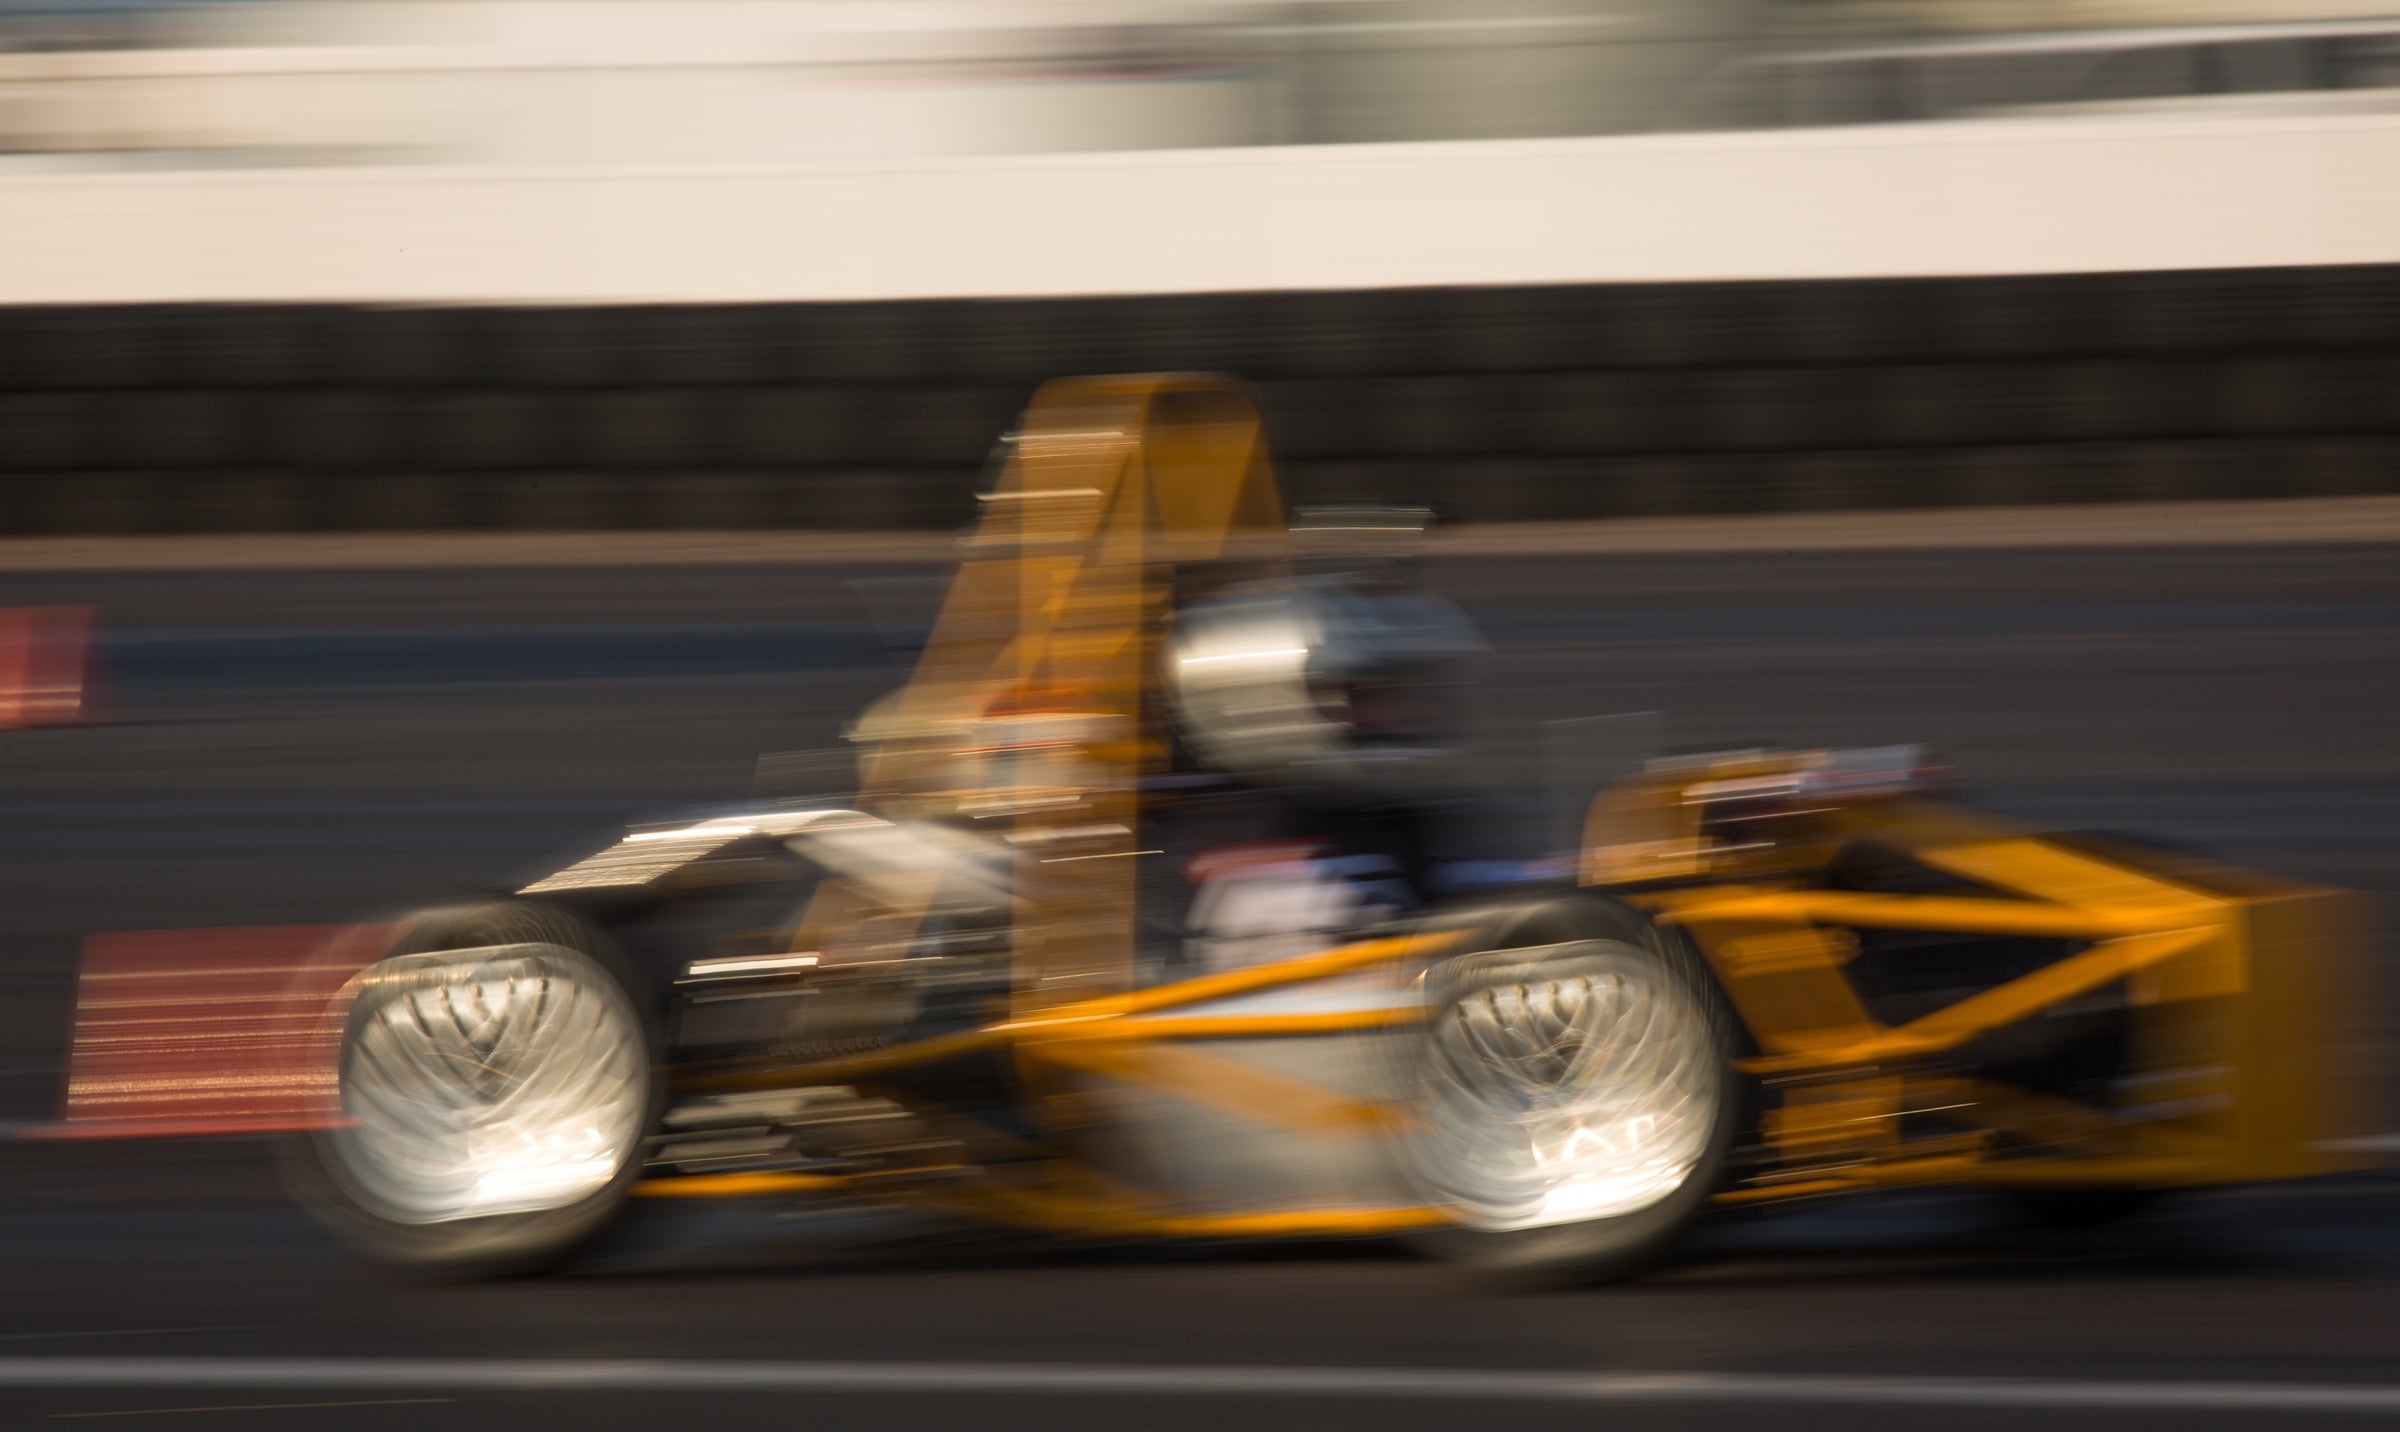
(1137, 925)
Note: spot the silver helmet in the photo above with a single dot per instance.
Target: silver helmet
(1325, 681)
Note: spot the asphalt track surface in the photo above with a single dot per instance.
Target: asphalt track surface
(311, 744)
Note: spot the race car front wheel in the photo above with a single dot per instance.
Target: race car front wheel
(1573, 1095)
(497, 1080)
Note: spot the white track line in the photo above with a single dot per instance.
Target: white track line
(577, 1375)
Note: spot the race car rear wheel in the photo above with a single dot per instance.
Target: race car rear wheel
(497, 1079)
(1573, 1094)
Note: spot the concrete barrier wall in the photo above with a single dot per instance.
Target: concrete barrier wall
(2077, 195)
(1492, 403)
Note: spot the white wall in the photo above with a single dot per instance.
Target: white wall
(1993, 197)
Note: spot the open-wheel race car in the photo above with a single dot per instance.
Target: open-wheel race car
(1133, 927)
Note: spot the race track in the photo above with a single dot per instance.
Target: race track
(296, 746)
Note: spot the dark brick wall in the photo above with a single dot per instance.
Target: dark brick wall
(1489, 403)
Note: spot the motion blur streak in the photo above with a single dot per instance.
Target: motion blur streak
(182, 1032)
(45, 661)
(483, 82)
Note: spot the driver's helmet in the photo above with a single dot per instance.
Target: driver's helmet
(1331, 682)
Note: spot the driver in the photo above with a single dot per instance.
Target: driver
(1315, 718)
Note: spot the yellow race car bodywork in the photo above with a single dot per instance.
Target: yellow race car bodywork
(1034, 709)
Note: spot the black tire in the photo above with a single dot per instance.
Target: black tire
(1573, 940)
(334, 1173)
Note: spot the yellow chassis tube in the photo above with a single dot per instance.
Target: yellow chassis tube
(2234, 986)
(1101, 1036)
(1116, 1018)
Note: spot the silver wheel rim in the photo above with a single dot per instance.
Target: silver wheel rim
(510, 1079)
(1562, 1086)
